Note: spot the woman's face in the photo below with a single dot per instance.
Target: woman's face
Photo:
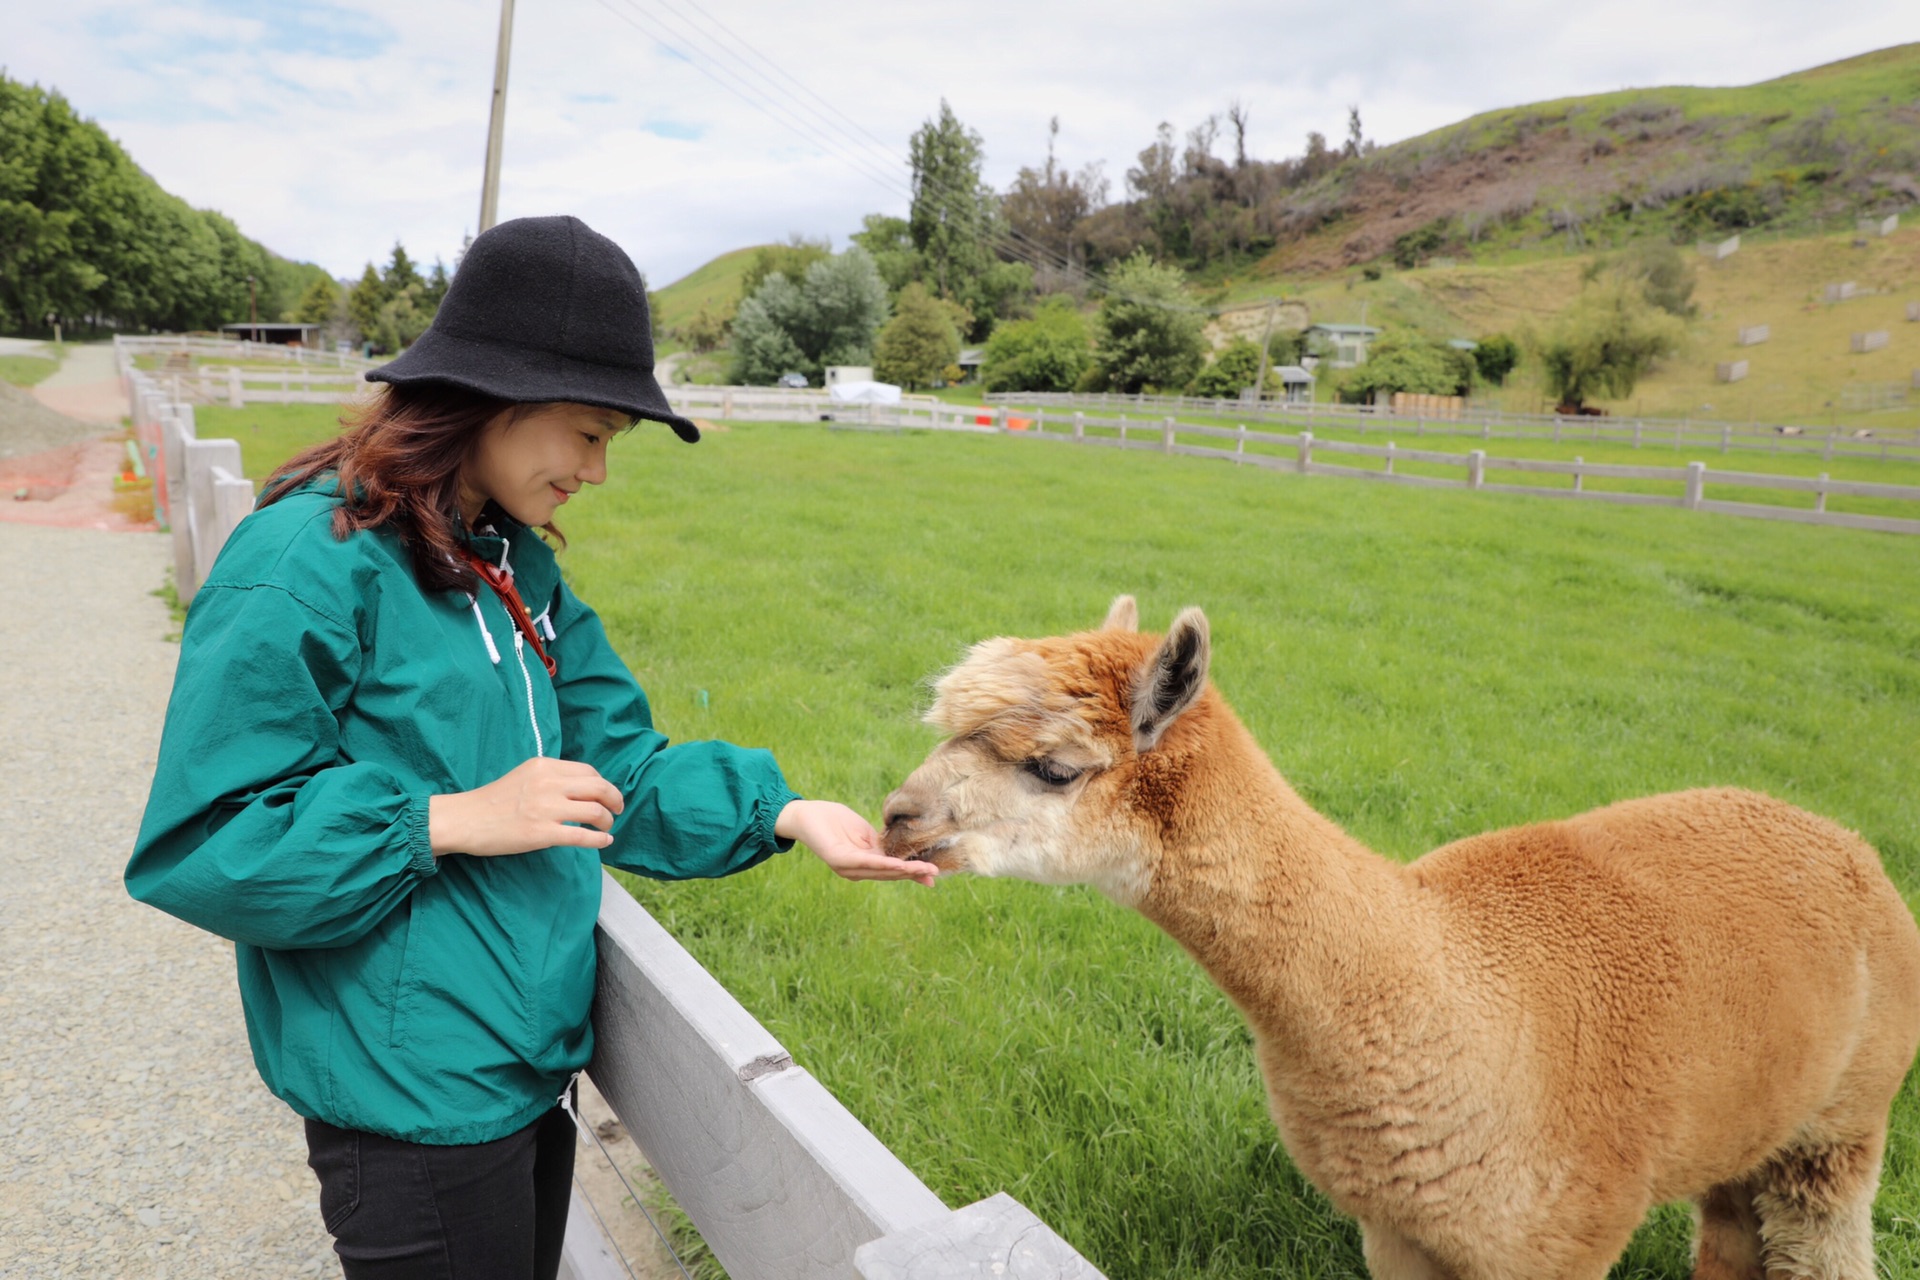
(531, 459)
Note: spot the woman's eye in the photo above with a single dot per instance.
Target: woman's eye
(593, 439)
(1050, 772)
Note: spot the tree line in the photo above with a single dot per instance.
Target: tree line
(90, 241)
(1015, 271)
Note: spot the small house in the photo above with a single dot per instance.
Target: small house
(1347, 342)
(1296, 384)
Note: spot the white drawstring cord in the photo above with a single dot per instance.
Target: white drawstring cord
(485, 634)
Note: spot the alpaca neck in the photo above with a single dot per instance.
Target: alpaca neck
(1321, 942)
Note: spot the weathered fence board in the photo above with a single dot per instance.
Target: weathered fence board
(781, 1180)
(996, 1239)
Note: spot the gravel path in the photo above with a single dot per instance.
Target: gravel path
(135, 1138)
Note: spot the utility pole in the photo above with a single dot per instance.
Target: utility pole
(496, 123)
(1266, 336)
(253, 310)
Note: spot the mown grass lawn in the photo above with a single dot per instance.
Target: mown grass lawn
(1421, 665)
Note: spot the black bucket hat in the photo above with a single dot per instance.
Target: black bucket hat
(543, 309)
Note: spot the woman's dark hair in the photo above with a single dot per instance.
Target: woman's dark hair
(398, 464)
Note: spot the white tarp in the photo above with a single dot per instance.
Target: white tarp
(864, 393)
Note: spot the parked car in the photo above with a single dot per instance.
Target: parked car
(798, 380)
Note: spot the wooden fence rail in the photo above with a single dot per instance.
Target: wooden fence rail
(167, 344)
(1830, 442)
(200, 489)
(1166, 435)
(782, 1181)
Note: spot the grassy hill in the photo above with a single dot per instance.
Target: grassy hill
(712, 287)
(1806, 152)
(1806, 371)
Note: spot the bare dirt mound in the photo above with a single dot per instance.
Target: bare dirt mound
(28, 427)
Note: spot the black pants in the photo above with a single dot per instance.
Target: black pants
(403, 1211)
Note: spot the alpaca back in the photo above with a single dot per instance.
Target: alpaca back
(1698, 979)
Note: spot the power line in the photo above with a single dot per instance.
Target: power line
(821, 127)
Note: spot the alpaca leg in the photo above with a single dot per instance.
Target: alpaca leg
(1727, 1240)
(1816, 1211)
(1391, 1256)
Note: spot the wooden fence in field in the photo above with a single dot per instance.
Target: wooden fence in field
(200, 490)
(1725, 437)
(1686, 486)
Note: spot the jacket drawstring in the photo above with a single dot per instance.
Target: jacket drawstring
(485, 634)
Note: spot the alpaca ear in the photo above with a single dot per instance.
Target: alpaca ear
(1172, 679)
(1122, 615)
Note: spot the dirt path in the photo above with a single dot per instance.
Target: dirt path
(86, 387)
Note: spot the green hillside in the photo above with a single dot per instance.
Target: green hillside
(714, 287)
(1806, 152)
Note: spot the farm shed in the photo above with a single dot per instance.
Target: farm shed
(286, 335)
(1296, 384)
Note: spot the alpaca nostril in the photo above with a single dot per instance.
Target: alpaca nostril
(895, 814)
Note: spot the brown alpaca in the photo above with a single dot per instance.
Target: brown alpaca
(1499, 1057)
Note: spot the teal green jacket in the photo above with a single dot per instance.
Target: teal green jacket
(321, 699)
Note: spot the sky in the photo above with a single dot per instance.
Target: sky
(329, 129)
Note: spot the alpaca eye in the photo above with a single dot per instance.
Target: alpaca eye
(1057, 775)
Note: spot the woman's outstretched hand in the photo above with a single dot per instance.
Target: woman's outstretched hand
(533, 806)
(846, 842)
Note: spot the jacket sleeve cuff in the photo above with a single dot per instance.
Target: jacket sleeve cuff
(767, 813)
(420, 859)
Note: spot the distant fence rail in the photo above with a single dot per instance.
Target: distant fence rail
(1297, 453)
(200, 488)
(1485, 424)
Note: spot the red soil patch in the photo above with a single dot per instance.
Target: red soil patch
(69, 487)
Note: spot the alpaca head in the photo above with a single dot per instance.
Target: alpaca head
(1064, 759)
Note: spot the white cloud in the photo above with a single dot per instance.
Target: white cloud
(328, 130)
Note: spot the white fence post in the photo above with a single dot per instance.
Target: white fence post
(1476, 468)
(1579, 476)
(234, 398)
(206, 532)
(1820, 495)
(1166, 435)
(1696, 484)
(1306, 452)
(1390, 452)
(1079, 427)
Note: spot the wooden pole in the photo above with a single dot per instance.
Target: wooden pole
(496, 123)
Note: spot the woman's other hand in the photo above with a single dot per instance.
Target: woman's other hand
(846, 842)
(539, 804)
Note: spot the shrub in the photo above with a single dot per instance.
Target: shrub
(918, 344)
(1606, 342)
(1050, 352)
(1416, 246)
(1410, 362)
(1150, 333)
(829, 317)
(1235, 366)
(1496, 357)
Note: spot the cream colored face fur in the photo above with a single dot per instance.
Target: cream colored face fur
(1026, 784)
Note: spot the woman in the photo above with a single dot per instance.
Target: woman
(397, 741)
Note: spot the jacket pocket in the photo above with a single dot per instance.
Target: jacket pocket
(407, 978)
(334, 1156)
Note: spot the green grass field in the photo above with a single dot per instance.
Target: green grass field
(27, 370)
(1421, 665)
